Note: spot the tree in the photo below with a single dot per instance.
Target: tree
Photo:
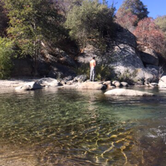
(161, 22)
(127, 20)
(90, 21)
(3, 20)
(149, 34)
(32, 22)
(66, 5)
(6, 53)
(136, 7)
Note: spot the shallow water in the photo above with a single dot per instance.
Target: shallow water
(66, 127)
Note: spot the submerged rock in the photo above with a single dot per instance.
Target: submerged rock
(127, 92)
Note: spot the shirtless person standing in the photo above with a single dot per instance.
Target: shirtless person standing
(92, 69)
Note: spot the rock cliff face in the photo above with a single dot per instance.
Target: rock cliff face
(47, 65)
(122, 56)
(127, 60)
(142, 66)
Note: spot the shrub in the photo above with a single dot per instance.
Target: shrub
(127, 76)
(83, 69)
(90, 21)
(102, 71)
(149, 34)
(6, 52)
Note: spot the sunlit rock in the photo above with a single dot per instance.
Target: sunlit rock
(162, 82)
(116, 83)
(124, 84)
(108, 85)
(149, 56)
(127, 92)
(29, 86)
(80, 78)
(92, 86)
(46, 82)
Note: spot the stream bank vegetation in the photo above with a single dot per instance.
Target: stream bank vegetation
(29, 28)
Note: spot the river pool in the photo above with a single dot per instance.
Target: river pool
(57, 127)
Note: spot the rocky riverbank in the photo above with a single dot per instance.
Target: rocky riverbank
(79, 82)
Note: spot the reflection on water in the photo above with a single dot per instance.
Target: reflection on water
(59, 127)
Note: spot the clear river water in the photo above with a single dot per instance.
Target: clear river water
(57, 127)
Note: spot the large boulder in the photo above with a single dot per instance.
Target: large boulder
(147, 75)
(149, 57)
(38, 84)
(162, 82)
(126, 37)
(46, 82)
(87, 53)
(29, 86)
(129, 62)
(91, 86)
(80, 78)
(127, 92)
(125, 61)
(130, 66)
(85, 86)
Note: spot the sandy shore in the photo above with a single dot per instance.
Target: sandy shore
(14, 82)
(7, 86)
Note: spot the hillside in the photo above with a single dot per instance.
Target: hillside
(122, 60)
(58, 38)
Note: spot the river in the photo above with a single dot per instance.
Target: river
(57, 127)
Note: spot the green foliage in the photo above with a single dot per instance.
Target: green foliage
(161, 22)
(6, 53)
(90, 22)
(83, 69)
(102, 72)
(3, 20)
(32, 22)
(127, 76)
